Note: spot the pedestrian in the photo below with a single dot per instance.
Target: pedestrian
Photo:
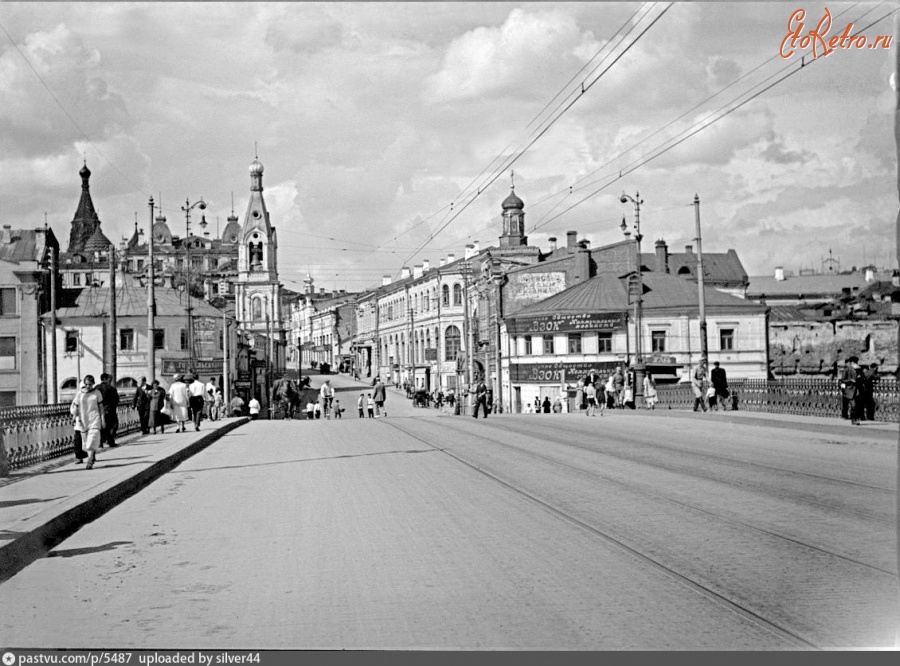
(179, 399)
(196, 399)
(254, 408)
(867, 398)
(326, 395)
(610, 391)
(850, 387)
(711, 399)
(651, 397)
(481, 397)
(110, 407)
(719, 380)
(218, 402)
(310, 410)
(317, 409)
(699, 385)
(619, 387)
(336, 408)
(88, 406)
(141, 403)
(157, 402)
(379, 396)
(557, 405)
(370, 405)
(236, 406)
(78, 440)
(360, 404)
(590, 397)
(546, 405)
(210, 398)
(537, 405)
(580, 396)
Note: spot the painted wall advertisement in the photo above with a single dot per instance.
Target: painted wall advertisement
(554, 373)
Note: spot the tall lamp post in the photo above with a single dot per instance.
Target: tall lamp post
(187, 208)
(639, 369)
(151, 304)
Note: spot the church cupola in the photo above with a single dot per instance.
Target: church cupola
(232, 232)
(256, 253)
(86, 221)
(513, 218)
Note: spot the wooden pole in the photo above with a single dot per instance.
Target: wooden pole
(113, 324)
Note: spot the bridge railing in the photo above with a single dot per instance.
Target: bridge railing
(37, 433)
(792, 395)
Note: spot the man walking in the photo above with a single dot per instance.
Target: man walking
(378, 397)
(141, 403)
(88, 408)
(481, 398)
(109, 406)
(720, 383)
(197, 399)
(699, 384)
(590, 395)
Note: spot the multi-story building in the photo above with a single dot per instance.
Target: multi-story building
(27, 258)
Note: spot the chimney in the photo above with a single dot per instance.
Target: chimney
(585, 243)
(570, 238)
(779, 274)
(425, 265)
(470, 251)
(404, 272)
(870, 274)
(552, 240)
(417, 271)
(662, 256)
(321, 290)
(441, 263)
(689, 249)
(385, 280)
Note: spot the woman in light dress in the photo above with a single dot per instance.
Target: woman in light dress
(651, 397)
(179, 397)
(86, 409)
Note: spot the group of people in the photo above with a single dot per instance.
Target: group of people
(858, 391)
(372, 404)
(710, 389)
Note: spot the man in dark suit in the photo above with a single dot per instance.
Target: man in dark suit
(850, 388)
(109, 407)
(141, 403)
(481, 398)
(719, 381)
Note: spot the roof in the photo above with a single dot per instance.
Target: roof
(805, 285)
(98, 242)
(607, 293)
(718, 267)
(18, 245)
(792, 313)
(131, 300)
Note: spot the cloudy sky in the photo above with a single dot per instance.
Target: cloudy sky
(388, 131)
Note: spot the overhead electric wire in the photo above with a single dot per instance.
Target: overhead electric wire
(649, 157)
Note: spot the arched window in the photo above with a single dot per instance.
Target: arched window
(69, 384)
(452, 342)
(457, 294)
(256, 309)
(684, 270)
(445, 296)
(126, 383)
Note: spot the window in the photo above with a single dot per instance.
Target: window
(528, 351)
(7, 398)
(69, 384)
(256, 309)
(159, 338)
(71, 342)
(8, 301)
(574, 343)
(140, 265)
(126, 339)
(604, 343)
(457, 294)
(445, 296)
(76, 279)
(657, 341)
(126, 383)
(452, 343)
(726, 339)
(548, 344)
(184, 339)
(7, 353)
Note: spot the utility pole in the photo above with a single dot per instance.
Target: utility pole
(704, 351)
(226, 392)
(467, 326)
(151, 304)
(113, 325)
(54, 396)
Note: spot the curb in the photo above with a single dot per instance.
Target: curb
(46, 532)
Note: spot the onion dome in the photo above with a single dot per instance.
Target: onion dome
(512, 202)
(256, 167)
(98, 242)
(85, 173)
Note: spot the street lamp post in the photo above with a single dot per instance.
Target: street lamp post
(187, 208)
(151, 304)
(639, 368)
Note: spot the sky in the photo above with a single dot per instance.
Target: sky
(389, 132)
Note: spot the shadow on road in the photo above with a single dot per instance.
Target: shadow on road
(75, 552)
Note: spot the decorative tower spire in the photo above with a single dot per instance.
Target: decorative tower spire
(86, 221)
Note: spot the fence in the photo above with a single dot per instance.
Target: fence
(37, 433)
(791, 395)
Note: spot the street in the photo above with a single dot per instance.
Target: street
(426, 530)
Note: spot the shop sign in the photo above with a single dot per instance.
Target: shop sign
(172, 365)
(567, 323)
(554, 373)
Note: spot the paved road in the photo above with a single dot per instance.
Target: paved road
(424, 530)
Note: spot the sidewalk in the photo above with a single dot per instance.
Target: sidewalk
(43, 504)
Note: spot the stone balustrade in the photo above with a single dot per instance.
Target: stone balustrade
(36, 433)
